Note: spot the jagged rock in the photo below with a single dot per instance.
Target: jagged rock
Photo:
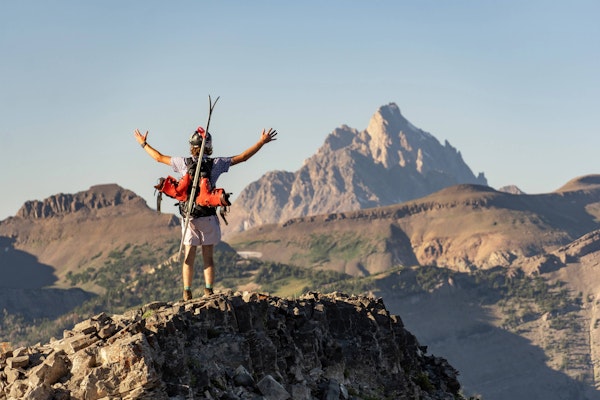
(242, 377)
(18, 362)
(235, 346)
(50, 371)
(501, 258)
(586, 244)
(271, 389)
(543, 264)
(11, 374)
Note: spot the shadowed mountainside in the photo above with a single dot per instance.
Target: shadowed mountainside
(495, 362)
(22, 270)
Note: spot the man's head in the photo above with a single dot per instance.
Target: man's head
(196, 142)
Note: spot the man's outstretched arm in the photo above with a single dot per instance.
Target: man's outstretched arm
(266, 137)
(152, 152)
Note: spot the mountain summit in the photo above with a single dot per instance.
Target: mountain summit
(390, 162)
(233, 346)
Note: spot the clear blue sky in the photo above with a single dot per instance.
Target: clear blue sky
(513, 85)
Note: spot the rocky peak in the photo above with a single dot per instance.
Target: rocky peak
(340, 138)
(395, 142)
(512, 189)
(96, 197)
(233, 346)
(390, 162)
(392, 138)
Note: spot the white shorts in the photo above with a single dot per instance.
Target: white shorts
(202, 231)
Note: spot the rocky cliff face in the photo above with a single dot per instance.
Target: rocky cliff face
(390, 162)
(234, 346)
(97, 197)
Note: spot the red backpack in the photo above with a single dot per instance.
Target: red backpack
(207, 198)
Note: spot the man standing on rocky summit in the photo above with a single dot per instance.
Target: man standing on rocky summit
(205, 230)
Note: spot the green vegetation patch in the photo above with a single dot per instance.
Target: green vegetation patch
(285, 280)
(347, 246)
(251, 244)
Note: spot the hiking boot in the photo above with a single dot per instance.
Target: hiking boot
(187, 295)
(208, 292)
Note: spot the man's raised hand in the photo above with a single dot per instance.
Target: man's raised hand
(269, 135)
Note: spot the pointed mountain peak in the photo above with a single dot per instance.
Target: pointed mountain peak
(391, 113)
(393, 140)
(387, 119)
(390, 117)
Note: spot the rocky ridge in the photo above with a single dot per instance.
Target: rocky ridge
(390, 162)
(496, 229)
(97, 197)
(68, 231)
(233, 346)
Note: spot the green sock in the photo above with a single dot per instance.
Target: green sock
(187, 288)
(208, 286)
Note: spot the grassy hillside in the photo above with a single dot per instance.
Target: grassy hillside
(463, 227)
(133, 275)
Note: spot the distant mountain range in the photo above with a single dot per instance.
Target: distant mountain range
(390, 162)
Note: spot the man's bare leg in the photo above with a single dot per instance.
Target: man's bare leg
(188, 269)
(209, 270)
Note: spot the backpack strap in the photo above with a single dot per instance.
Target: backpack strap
(206, 166)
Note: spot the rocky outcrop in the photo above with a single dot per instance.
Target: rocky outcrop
(97, 197)
(581, 247)
(573, 252)
(390, 162)
(234, 346)
(512, 189)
